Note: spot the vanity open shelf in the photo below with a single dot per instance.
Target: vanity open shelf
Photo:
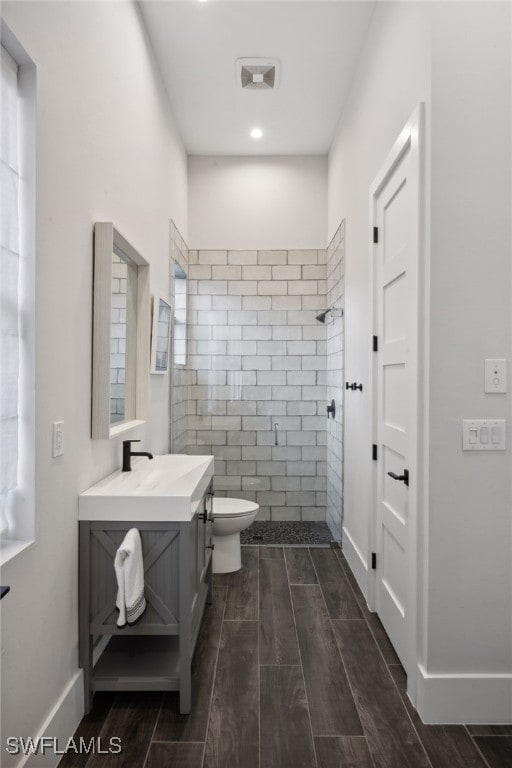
(155, 653)
(131, 663)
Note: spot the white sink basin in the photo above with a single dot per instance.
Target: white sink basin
(166, 488)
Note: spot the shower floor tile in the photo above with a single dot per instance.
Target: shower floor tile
(285, 532)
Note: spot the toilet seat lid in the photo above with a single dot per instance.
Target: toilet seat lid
(226, 507)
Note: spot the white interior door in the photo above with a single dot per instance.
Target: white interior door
(395, 196)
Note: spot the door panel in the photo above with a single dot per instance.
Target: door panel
(395, 209)
(394, 494)
(394, 396)
(394, 302)
(393, 563)
(394, 308)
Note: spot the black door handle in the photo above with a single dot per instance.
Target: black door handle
(357, 386)
(331, 409)
(349, 386)
(404, 477)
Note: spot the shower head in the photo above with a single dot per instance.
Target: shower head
(336, 312)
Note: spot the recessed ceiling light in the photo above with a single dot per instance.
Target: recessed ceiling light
(256, 133)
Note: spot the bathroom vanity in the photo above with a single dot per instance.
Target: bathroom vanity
(169, 500)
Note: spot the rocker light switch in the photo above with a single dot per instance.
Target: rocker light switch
(58, 439)
(483, 435)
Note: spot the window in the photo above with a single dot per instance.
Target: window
(180, 316)
(17, 272)
(9, 278)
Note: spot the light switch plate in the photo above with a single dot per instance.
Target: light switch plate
(58, 439)
(483, 434)
(496, 376)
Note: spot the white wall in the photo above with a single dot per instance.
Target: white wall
(470, 526)
(239, 203)
(392, 76)
(456, 58)
(107, 150)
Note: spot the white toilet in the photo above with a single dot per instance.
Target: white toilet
(230, 516)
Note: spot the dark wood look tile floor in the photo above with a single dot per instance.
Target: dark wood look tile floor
(171, 725)
(286, 738)
(300, 566)
(339, 597)
(391, 736)
(490, 730)
(342, 752)
(273, 553)
(131, 719)
(233, 730)
(243, 588)
(278, 638)
(451, 743)
(497, 750)
(371, 619)
(331, 704)
(291, 670)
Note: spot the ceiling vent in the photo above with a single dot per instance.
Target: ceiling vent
(257, 74)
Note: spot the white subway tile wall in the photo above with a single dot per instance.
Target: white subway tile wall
(335, 328)
(257, 358)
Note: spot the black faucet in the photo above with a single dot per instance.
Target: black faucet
(128, 453)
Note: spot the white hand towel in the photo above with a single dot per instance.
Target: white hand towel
(129, 570)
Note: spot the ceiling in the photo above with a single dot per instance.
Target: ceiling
(197, 44)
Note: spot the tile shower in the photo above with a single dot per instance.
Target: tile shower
(260, 370)
(335, 329)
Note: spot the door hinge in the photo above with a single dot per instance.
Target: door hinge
(374, 452)
(375, 234)
(374, 561)
(375, 343)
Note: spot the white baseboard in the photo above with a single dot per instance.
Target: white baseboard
(61, 723)
(456, 698)
(356, 561)
(444, 698)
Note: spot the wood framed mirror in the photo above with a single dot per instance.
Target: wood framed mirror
(121, 335)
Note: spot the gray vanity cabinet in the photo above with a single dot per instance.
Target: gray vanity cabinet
(155, 654)
(204, 537)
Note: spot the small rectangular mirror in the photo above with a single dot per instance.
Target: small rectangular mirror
(120, 334)
(160, 335)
